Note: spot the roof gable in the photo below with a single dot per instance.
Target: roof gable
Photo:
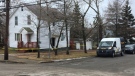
(47, 14)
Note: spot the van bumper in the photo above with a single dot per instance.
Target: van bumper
(105, 52)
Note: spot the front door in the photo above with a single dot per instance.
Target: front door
(53, 42)
(28, 37)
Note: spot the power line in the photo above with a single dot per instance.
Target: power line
(23, 5)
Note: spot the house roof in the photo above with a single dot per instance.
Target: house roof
(50, 14)
(47, 13)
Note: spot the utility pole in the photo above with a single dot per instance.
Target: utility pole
(7, 30)
(38, 30)
(99, 28)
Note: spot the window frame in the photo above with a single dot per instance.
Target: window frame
(17, 36)
(16, 20)
(29, 19)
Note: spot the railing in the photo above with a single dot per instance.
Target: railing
(31, 45)
(20, 44)
(27, 45)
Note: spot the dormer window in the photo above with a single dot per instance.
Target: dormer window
(29, 20)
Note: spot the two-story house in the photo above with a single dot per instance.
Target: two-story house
(23, 27)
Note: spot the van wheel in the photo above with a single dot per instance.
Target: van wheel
(122, 53)
(113, 54)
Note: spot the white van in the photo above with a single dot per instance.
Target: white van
(110, 46)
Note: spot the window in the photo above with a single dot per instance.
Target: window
(53, 23)
(62, 37)
(16, 20)
(17, 37)
(53, 42)
(106, 43)
(22, 8)
(28, 19)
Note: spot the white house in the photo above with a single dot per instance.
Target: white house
(23, 28)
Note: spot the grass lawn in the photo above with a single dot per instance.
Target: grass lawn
(10, 51)
(46, 56)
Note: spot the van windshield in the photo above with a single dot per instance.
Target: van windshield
(106, 43)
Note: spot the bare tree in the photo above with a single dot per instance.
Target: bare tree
(66, 12)
(94, 5)
(83, 19)
(113, 14)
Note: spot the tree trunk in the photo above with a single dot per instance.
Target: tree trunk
(100, 32)
(56, 50)
(84, 37)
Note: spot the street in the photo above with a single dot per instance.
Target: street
(92, 66)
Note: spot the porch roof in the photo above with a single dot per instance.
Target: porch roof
(29, 30)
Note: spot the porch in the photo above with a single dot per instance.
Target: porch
(29, 46)
(25, 43)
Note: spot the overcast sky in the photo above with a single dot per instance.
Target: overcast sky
(131, 3)
(103, 6)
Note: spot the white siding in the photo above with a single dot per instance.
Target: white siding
(22, 22)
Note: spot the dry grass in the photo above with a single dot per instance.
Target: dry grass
(46, 56)
(50, 56)
(10, 51)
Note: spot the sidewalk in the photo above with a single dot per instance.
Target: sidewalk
(14, 59)
(31, 58)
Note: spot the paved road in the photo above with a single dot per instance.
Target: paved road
(93, 66)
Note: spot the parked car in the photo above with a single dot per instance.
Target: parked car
(130, 48)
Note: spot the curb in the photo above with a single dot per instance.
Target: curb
(46, 61)
(12, 62)
(61, 60)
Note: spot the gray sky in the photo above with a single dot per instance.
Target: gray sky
(91, 13)
(131, 3)
(104, 5)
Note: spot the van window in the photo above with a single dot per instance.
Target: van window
(114, 45)
(106, 43)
